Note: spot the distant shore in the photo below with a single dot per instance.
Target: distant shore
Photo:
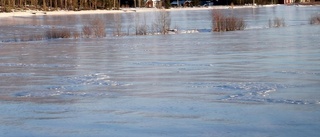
(123, 10)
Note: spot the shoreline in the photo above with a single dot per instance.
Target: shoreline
(124, 10)
(28, 13)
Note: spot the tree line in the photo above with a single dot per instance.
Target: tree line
(46, 5)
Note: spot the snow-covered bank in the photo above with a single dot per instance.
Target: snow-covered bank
(124, 10)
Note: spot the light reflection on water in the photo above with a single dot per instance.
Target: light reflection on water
(261, 82)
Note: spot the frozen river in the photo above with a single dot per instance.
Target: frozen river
(257, 82)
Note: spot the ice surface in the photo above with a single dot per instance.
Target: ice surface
(257, 82)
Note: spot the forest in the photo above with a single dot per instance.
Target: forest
(50, 5)
(76, 5)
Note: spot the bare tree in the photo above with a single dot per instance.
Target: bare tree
(141, 28)
(315, 19)
(99, 27)
(162, 22)
(277, 22)
(117, 25)
(44, 5)
(86, 31)
(221, 22)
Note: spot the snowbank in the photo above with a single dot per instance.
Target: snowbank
(124, 10)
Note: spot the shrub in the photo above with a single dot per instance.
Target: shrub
(276, 23)
(117, 30)
(86, 31)
(162, 22)
(141, 28)
(315, 19)
(221, 22)
(98, 27)
(36, 37)
(30, 37)
(55, 33)
(76, 35)
(95, 28)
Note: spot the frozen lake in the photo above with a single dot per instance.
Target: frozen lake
(257, 82)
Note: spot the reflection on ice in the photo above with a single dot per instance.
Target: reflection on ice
(92, 79)
(36, 65)
(251, 92)
(73, 87)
